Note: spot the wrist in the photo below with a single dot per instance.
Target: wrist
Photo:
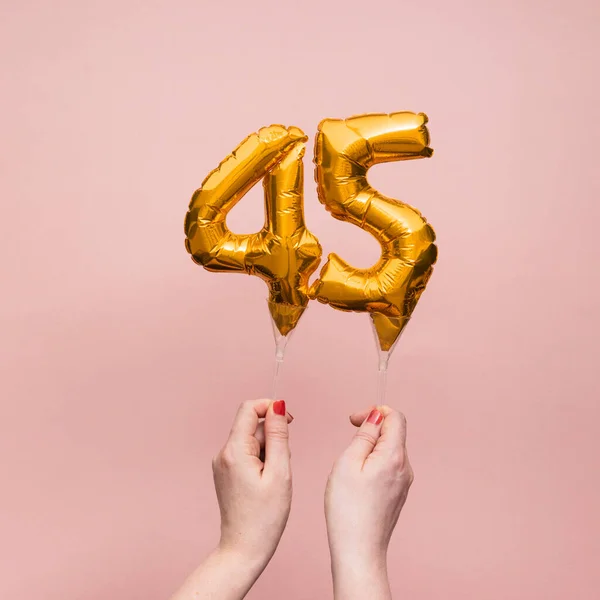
(241, 560)
(223, 574)
(359, 560)
(356, 553)
(359, 575)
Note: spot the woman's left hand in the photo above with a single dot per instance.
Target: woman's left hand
(253, 479)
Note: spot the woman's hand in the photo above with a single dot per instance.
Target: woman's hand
(254, 496)
(253, 480)
(365, 493)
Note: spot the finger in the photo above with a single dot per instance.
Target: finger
(260, 437)
(247, 418)
(259, 434)
(366, 438)
(277, 449)
(358, 418)
(393, 432)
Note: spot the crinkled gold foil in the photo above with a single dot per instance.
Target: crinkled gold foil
(283, 253)
(390, 289)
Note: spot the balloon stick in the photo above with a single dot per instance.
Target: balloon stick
(382, 376)
(280, 346)
(387, 332)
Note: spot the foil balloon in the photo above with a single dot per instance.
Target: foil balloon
(283, 253)
(390, 289)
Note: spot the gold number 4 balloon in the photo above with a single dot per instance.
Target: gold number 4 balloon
(284, 253)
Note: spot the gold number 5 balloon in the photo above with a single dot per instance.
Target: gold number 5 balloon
(344, 151)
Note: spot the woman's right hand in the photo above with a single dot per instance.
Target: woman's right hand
(365, 493)
(253, 479)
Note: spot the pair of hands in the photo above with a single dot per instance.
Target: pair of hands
(365, 492)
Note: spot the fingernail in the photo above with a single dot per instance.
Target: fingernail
(279, 407)
(375, 417)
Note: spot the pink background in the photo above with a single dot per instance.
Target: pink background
(122, 362)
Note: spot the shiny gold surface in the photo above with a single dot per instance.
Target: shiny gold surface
(283, 253)
(389, 290)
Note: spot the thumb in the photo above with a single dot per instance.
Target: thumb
(366, 437)
(277, 449)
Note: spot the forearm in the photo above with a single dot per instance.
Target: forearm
(222, 576)
(360, 578)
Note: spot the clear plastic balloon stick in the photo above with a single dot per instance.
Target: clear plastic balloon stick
(383, 356)
(276, 377)
(280, 344)
(382, 376)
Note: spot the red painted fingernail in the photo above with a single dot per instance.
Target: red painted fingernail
(279, 407)
(375, 417)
